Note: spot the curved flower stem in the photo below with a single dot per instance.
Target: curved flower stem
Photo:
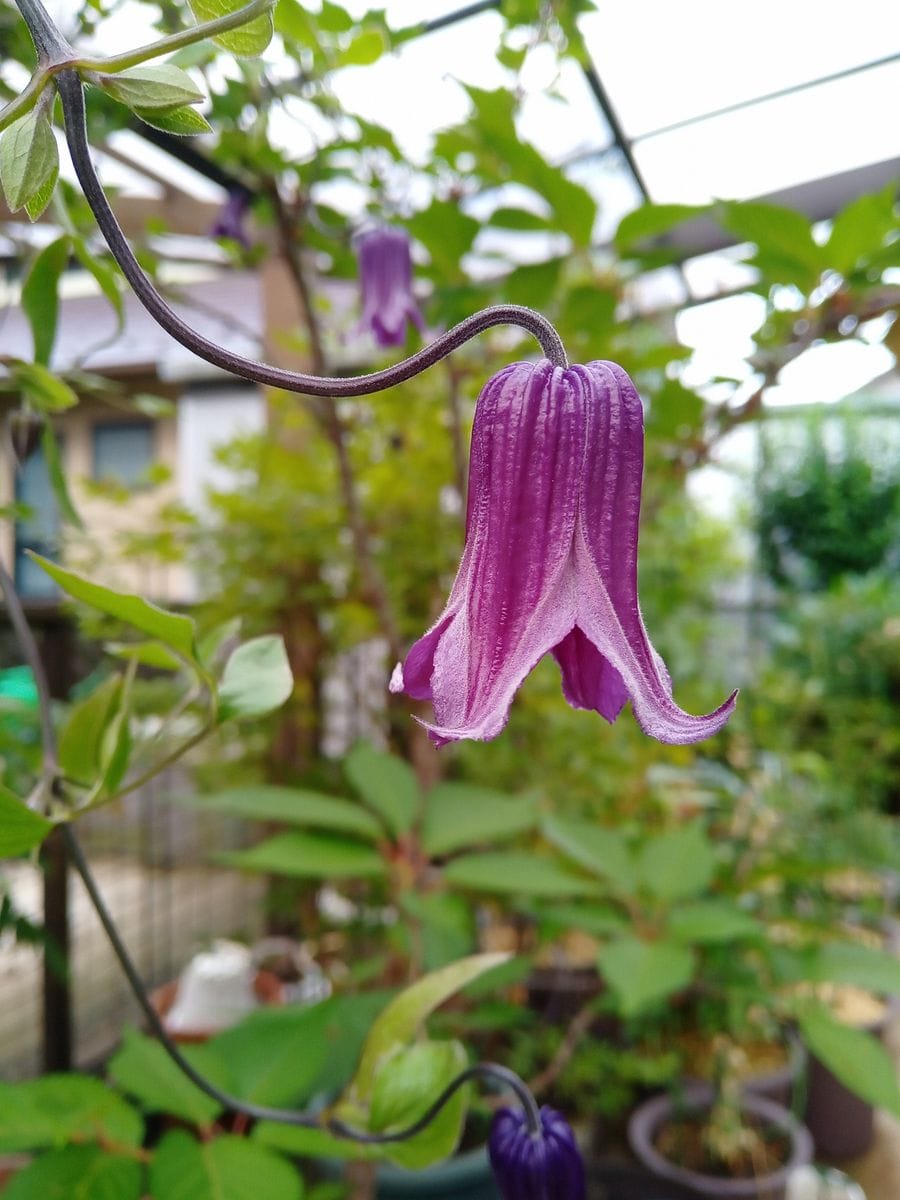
(478, 1071)
(262, 1112)
(72, 95)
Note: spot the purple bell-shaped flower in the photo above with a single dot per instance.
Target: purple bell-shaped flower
(543, 1164)
(385, 277)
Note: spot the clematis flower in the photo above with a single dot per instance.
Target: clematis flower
(550, 562)
(230, 221)
(544, 1165)
(385, 276)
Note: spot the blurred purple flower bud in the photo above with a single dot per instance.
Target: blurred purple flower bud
(230, 221)
(543, 1165)
(385, 276)
(550, 562)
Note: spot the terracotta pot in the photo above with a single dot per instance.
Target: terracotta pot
(648, 1118)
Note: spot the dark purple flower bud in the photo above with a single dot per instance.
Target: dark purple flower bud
(550, 562)
(385, 276)
(540, 1165)
(230, 221)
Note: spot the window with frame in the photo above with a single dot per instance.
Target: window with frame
(123, 451)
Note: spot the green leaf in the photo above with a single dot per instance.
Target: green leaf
(605, 852)
(247, 41)
(275, 1054)
(386, 783)
(302, 855)
(293, 21)
(78, 1173)
(183, 122)
(859, 231)
(296, 806)
(858, 1059)
(226, 1168)
(334, 19)
(447, 234)
(676, 864)
(786, 250)
(518, 873)
(533, 285)
(367, 47)
(398, 1023)
(46, 392)
(404, 1089)
(53, 459)
(519, 219)
(652, 221)
(460, 814)
(643, 974)
(20, 828)
(861, 966)
(152, 86)
(447, 925)
(257, 679)
(710, 921)
(61, 1108)
(81, 738)
(29, 162)
(148, 654)
(40, 297)
(142, 1068)
(106, 279)
(601, 920)
(311, 1143)
(172, 629)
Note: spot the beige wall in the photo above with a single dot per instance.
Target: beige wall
(97, 550)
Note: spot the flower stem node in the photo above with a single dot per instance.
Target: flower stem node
(550, 562)
(544, 1164)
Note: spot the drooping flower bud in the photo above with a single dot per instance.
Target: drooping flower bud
(542, 1165)
(230, 221)
(550, 562)
(385, 277)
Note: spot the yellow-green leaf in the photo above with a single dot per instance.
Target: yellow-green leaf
(247, 41)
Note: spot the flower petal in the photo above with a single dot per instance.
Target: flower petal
(514, 594)
(605, 557)
(588, 679)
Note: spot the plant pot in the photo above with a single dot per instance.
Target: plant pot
(466, 1176)
(267, 988)
(647, 1120)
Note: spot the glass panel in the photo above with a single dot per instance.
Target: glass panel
(123, 450)
(706, 55)
(38, 531)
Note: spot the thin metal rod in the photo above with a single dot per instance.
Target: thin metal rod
(72, 95)
(794, 88)
(617, 129)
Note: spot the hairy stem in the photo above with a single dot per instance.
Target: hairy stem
(71, 93)
(49, 43)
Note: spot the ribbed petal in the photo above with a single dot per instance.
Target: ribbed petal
(605, 557)
(526, 1166)
(513, 599)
